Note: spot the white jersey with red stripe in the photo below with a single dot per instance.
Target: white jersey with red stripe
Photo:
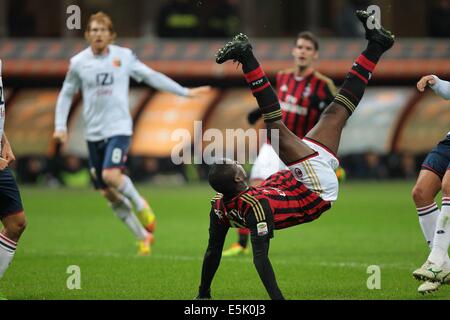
(104, 82)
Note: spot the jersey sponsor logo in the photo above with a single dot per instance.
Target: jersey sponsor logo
(288, 107)
(236, 213)
(104, 79)
(262, 229)
(307, 91)
(280, 192)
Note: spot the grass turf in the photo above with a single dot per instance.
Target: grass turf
(371, 224)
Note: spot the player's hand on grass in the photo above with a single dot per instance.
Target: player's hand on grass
(60, 136)
(204, 295)
(3, 164)
(195, 92)
(426, 81)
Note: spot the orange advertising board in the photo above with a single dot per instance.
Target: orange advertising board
(163, 115)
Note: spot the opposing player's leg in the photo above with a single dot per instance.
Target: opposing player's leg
(112, 174)
(437, 267)
(329, 128)
(12, 217)
(424, 192)
(120, 205)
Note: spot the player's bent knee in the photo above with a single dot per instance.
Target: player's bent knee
(446, 186)
(421, 196)
(108, 194)
(15, 226)
(111, 177)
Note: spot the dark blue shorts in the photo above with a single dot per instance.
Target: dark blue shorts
(10, 201)
(107, 154)
(438, 160)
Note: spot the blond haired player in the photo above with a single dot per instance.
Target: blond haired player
(102, 72)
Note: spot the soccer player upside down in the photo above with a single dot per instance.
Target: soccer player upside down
(291, 197)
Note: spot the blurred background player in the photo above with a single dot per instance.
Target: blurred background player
(102, 72)
(304, 93)
(290, 197)
(11, 209)
(435, 223)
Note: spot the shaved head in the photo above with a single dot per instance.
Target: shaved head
(227, 177)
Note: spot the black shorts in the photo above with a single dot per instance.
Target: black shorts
(438, 160)
(10, 201)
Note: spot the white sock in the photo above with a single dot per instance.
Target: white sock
(427, 218)
(128, 190)
(7, 250)
(439, 254)
(125, 213)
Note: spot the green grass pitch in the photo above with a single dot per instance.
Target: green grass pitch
(371, 224)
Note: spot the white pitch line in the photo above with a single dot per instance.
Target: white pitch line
(331, 264)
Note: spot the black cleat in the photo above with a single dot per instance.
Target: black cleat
(234, 50)
(376, 33)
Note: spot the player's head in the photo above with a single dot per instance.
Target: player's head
(306, 49)
(100, 31)
(227, 177)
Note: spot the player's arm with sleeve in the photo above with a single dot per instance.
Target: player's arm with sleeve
(260, 222)
(211, 260)
(72, 84)
(440, 87)
(142, 73)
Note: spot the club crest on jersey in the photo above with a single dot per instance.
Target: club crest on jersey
(298, 173)
(284, 88)
(117, 63)
(262, 229)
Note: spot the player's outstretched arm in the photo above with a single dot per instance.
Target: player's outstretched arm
(440, 87)
(142, 73)
(261, 230)
(262, 263)
(211, 260)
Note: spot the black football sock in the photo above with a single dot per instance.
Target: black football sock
(261, 88)
(357, 79)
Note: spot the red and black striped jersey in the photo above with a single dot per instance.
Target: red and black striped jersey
(281, 201)
(303, 99)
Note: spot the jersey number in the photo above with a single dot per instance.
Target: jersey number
(105, 79)
(116, 156)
